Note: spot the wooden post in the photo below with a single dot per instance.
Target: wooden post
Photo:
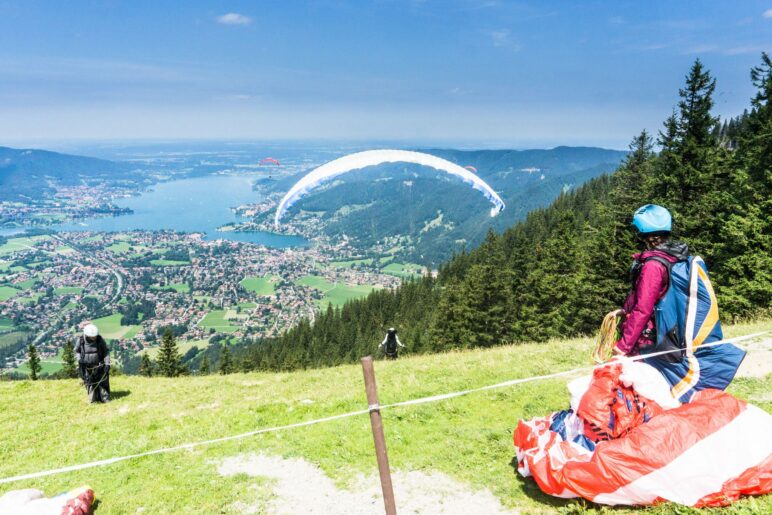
(380, 441)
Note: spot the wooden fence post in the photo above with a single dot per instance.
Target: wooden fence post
(380, 441)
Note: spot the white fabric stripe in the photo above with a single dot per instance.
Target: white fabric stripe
(698, 472)
(691, 307)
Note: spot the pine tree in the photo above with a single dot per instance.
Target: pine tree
(145, 366)
(70, 368)
(226, 365)
(169, 359)
(204, 368)
(34, 362)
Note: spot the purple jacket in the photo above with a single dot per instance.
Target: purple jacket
(650, 286)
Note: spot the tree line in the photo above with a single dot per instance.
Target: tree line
(560, 270)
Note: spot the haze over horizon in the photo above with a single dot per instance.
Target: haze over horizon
(463, 72)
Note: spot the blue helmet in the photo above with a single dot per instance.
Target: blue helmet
(651, 218)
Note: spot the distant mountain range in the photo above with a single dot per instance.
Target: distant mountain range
(438, 213)
(27, 174)
(432, 212)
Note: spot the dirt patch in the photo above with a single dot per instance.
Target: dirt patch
(758, 361)
(301, 487)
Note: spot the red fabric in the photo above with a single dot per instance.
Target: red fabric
(754, 481)
(610, 409)
(651, 285)
(611, 474)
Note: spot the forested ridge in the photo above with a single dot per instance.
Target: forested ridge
(561, 269)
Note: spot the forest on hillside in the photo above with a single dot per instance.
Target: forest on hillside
(561, 269)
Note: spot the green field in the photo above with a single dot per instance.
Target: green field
(110, 327)
(47, 366)
(68, 290)
(120, 247)
(4, 266)
(247, 305)
(403, 270)
(30, 299)
(7, 292)
(7, 339)
(349, 264)
(178, 287)
(260, 285)
(168, 262)
(335, 294)
(182, 347)
(16, 244)
(5, 323)
(468, 438)
(26, 285)
(216, 320)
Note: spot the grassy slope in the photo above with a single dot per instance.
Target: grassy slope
(48, 425)
(336, 294)
(260, 285)
(110, 327)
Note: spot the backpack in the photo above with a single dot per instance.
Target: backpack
(686, 317)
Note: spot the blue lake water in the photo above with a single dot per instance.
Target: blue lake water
(200, 204)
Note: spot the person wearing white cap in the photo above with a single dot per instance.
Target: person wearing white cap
(94, 364)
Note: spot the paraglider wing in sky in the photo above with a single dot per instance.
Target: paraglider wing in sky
(270, 160)
(361, 160)
(471, 168)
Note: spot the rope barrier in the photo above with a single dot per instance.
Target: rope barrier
(374, 407)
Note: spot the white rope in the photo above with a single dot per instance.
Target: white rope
(371, 408)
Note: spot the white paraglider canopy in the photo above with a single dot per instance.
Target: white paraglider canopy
(361, 160)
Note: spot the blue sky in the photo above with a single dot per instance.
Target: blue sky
(465, 72)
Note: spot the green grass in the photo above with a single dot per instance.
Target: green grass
(260, 285)
(47, 366)
(182, 347)
(404, 270)
(110, 327)
(350, 263)
(7, 339)
(4, 266)
(468, 438)
(5, 323)
(120, 247)
(216, 320)
(178, 287)
(168, 262)
(17, 244)
(28, 284)
(30, 299)
(68, 290)
(334, 293)
(7, 292)
(247, 305)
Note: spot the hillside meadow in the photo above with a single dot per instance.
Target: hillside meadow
(48, 424)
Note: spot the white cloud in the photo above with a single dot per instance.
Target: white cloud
(234, 19)
(748, 49)
(503, 39)
(767, 13)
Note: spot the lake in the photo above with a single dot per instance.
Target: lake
(200, 204)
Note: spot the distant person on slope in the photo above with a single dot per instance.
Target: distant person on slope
(649, 276)
(391, 343)
(94, 364)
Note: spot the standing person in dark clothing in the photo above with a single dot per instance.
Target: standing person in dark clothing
(94, 364)
(391, 343)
